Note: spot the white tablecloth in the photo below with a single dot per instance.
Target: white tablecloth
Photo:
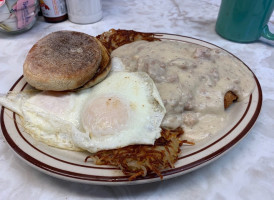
(245, 172)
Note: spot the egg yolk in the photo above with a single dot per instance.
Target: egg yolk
(105, 116)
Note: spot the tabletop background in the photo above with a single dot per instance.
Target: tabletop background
(245, 172)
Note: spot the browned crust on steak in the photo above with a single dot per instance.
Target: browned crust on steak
(229, 98)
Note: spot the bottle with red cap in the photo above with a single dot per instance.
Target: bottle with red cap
(54, 10)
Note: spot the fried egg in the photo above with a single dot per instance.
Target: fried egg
(48, 116)
(122, 110)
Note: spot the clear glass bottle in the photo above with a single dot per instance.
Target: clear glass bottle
(17, 16)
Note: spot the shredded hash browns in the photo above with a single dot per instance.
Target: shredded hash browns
(113, 39)
(139, 160)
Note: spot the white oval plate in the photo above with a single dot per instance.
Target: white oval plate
(71, 166)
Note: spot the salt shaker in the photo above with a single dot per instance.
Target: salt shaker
(84, 11)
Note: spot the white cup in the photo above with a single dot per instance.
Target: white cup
(84, 11)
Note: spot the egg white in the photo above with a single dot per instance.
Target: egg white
(48, 116)
(61, 119)
(143, 106)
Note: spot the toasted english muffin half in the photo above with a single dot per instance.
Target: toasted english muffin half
(103, 69)
(62, 60)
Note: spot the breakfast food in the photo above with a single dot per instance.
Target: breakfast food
(157, 96)
(48, 116)
(124, 109)
(229, 98)
(193, 82)
(103, 69)
(140, 160)
(65, 60)
(113, 39)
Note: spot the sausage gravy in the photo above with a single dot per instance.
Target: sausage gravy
(191, 79)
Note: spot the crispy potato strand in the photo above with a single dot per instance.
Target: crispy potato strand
(113, 39)
(139, 160)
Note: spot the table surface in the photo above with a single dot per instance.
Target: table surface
(245, 172)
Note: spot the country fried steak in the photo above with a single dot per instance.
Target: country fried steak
(113, 39)
(140, 160)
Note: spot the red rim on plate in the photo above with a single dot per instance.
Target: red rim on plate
(192, 157)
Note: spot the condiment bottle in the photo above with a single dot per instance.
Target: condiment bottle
(54, 10)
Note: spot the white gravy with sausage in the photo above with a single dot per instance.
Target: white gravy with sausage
(192, 81)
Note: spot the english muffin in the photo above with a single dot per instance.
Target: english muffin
(62, 60)
(102, 70)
